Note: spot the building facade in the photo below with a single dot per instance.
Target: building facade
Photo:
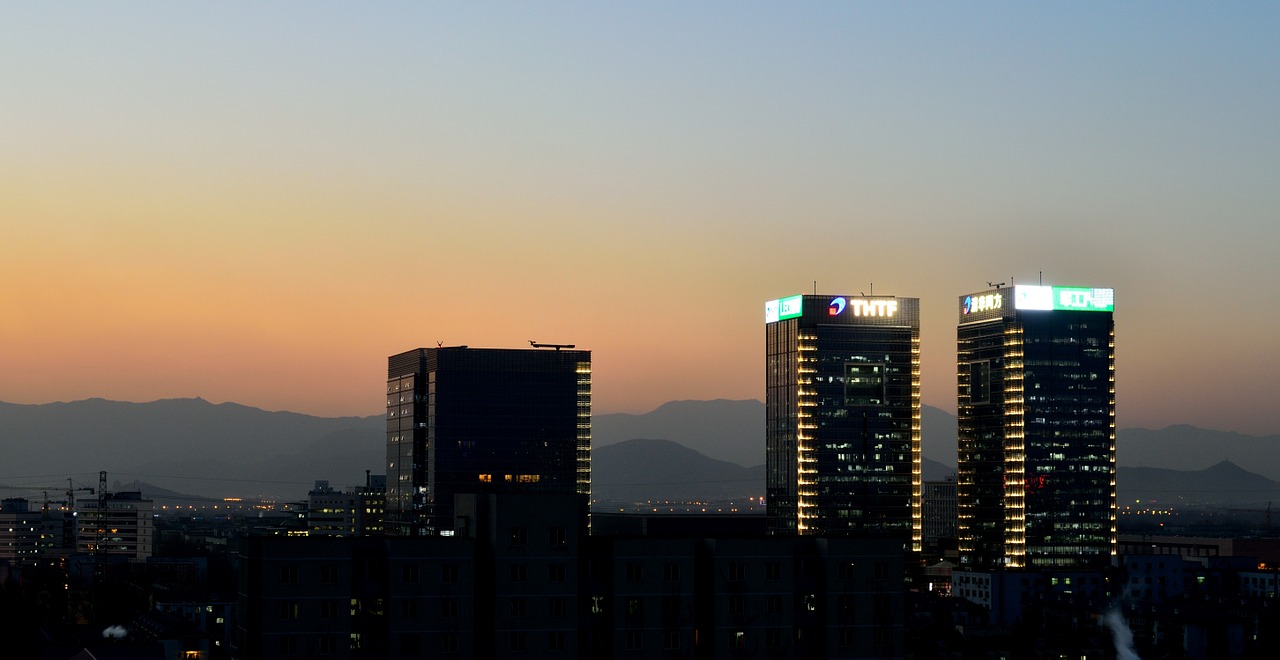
(478, 420)
(1037, 443)
(522, 578)
(122, 527)
(843, 416)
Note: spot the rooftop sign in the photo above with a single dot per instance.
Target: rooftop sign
(783, 309)
(1065, 298)
(862, 307)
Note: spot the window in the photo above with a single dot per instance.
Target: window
(409, 573)
(289, 574)
(409, 608)
(519, 572)
(634, 640)
(671, 571)
(737, 571)
(409, 644)
(557, 536)
(633, 571)
(635, 607)
(329, 574)
(671, 640)
(555, 641)
(737, 606)
(449, 643)
(845, 637)
(448, 572)
(289, 610)
(773, 638)
(327, 645)
(519, 642)
(846, 571)
(449, 607)
(288, 645)
(329, 609)
(864, 384)
(519, 537)
(773, 571)
(980, 382)
(518, 607)
(555, 607)
(773, 604)
(557, 572)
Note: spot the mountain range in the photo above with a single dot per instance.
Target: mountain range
(703, 449)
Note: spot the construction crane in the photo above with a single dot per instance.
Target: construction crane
(71, 493)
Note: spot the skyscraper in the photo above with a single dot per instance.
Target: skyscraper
(475, 420)
(843, 416)
(1037, 436)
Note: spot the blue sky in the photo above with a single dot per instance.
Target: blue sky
(275, 193)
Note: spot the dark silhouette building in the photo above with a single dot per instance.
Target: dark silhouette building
(522, 578)
(475, 420)
(1036, 407)
(843, 416)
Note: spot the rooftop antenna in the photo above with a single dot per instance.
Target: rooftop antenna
(873, 288)
(996, 285)
(555, 346)
(439, 344)
(815, 287)
(1042, 278)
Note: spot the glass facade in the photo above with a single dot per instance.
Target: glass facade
(843, 417)
(1036, 408)
(467, 420)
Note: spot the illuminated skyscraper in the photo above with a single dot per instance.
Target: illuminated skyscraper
(478, 420)
(1036, 482)
(843, 416)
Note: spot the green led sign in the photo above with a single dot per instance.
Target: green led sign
(1064, 298)
(783, 309)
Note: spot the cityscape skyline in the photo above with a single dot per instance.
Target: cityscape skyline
(200, 204)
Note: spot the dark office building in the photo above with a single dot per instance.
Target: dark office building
(843, 416)
(1036, 483)
(483, 420)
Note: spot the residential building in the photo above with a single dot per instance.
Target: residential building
(124, 526)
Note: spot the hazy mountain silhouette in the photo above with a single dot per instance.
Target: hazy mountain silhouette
(1223, 484)
(193, 446)
(722, 429)
(733, 430)
(187, 445)
(641, 469)
(1184, 447)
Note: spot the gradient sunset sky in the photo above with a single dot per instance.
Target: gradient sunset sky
(259, 202)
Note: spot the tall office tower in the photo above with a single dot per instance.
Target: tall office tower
(477, 420)
(843, 416)
(1036, 483)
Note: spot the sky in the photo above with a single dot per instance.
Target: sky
(259, 202)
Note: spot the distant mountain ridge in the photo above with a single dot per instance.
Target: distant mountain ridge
(733, 430)
(188, 445)
(197, 447)
(1222, 484)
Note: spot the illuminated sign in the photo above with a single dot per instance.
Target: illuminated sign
(983, 302)
(862, 307)
(783, 309)
(1065, 298)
